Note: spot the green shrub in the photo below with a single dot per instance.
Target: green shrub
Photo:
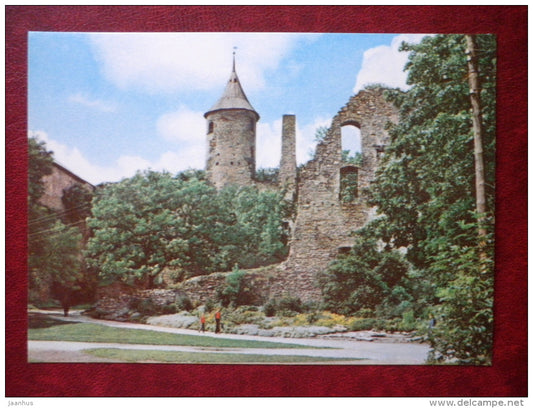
(183, 303)
(362, 324)
(269, 308)
(313, 317)
(168, 309)
(286, 306)
(408, 322)
(242, 315)
(289, 303)
(211, 304)
(367, 313)
(236, 291)
(144, 306)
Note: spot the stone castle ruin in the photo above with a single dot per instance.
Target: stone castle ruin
(323, 222)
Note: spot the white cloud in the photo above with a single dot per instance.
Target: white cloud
(385, 64)
(189, 157)
(269, 141)
(268, 144)
(97, 104)
(305, 139)
(183, 125)
(192, 156)
(168, 62)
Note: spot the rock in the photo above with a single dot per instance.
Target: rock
(339, 329)
(301, 331)
(265, 333)
(248, 329)
(181, 320)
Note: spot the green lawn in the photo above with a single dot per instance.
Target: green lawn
(88, 332)
(158, 356)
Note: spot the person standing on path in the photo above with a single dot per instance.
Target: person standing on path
(202, 321)
(217, 321)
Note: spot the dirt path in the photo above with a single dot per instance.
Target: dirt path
(368, 352)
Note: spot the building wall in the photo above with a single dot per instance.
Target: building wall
(54, 184)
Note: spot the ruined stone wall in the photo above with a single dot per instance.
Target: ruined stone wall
(231, 147)
(324, 224)
(287, 167)
(370, 112)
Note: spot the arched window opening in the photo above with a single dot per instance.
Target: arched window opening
(210, 127)
(351, 143)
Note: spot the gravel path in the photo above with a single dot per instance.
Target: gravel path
(369, 352)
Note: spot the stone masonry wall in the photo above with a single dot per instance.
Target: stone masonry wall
(231, 147)
(323, 224)
(287, 167)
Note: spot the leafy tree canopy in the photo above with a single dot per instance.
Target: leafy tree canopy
(154, 221)
(55, 264)
(424, 194)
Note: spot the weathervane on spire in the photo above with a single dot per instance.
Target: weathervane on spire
(234, 48)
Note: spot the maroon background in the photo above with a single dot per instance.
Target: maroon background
(507, 376)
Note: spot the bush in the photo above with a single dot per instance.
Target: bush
(183, 303)
(143, 306)
(311, 307)
(289, 303)
(211, 304)
(243, 315)
(269, 308)
(168, 309)
(408, 322)
(367, 313)
(147, 306)
(286, 306)
(362, 324)
(236, 291)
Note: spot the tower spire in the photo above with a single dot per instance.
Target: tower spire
(233, 96)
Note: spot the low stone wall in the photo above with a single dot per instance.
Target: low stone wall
(202, 288)
(121, 302)
(269, 282)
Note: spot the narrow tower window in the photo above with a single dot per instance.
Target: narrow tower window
(210, 127)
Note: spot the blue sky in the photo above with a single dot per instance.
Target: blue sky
(109, 104)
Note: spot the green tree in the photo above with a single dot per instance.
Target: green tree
(54, 249)
(237, 290)
(77, 202)
(148, 222)
(39, 165)
(366, 278)
(425, 192)
(256, 235)
(154, 221)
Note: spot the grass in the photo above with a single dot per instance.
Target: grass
(88, 332)
(159, 356)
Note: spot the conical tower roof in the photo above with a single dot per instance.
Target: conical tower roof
(233, 96)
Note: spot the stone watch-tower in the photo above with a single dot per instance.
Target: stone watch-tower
(231, 124)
